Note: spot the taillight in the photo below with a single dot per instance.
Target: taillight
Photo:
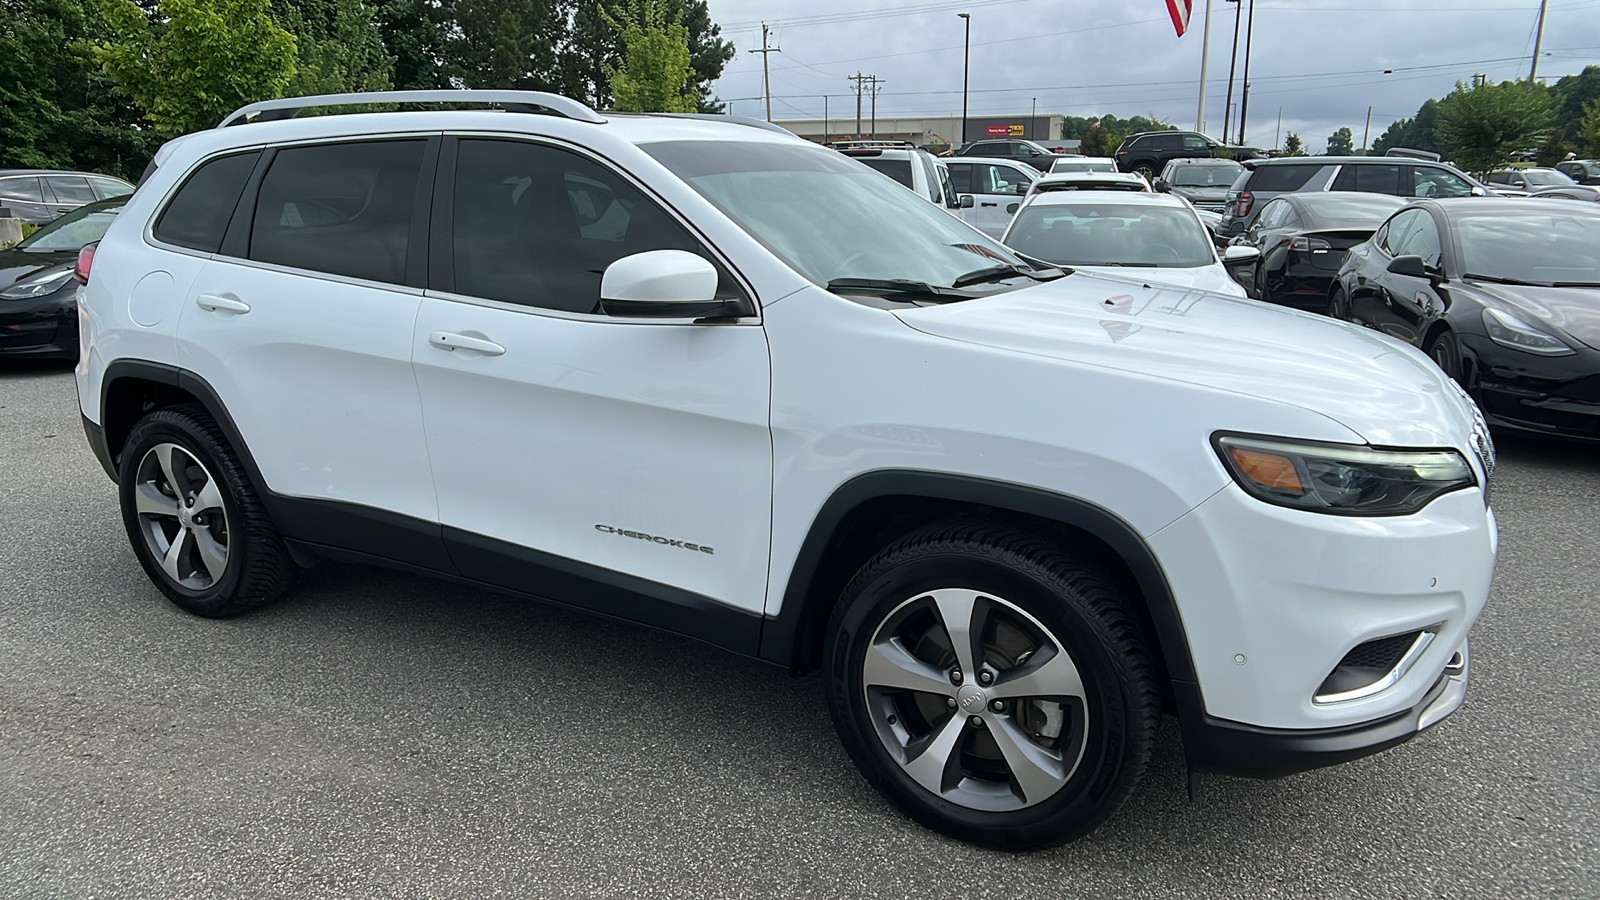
(1307, 244)
(85, 260)
(1243, 207)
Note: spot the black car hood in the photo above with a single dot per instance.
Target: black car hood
(16, 265)
(1575, 311)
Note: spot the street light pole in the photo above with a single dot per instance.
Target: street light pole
(1205, 57)
(1538, 39)
(1244, 101)
(966, 68)
(1233, 59)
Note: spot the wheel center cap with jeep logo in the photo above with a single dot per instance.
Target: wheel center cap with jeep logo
(971, 698)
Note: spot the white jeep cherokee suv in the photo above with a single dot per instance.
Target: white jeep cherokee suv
(700, 374)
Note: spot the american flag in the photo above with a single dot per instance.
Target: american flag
(1180, 9)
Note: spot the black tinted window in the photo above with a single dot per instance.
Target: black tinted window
(1378, 179)
(537, 225)
(898, 169)
(344, 209)
(1282, 178)
(961, 177)
(70, 189)
(199, 212)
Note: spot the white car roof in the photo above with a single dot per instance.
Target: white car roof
(1012, 163)
(1079, 160)
(1089, 177)
(1071, 198)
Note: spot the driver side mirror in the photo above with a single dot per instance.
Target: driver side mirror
(1237, 255)
(1162, 185)
(1478, 191)
(1409, 266)
(967, 202)
(668, 284)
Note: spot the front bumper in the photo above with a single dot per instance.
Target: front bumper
(1272, 600)
(1544, 395)
(1232, 748)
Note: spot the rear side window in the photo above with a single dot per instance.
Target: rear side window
(199, 212)
(21, 187)
(898, 169)
(1369, 179)
(344, 209)
(71, 189)
(961, 177)
(1283, 178)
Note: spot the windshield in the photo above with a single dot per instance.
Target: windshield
(1111, 234)
(83, 225)
(1205, 176)
(1070, 166)
(898, 169)
(1531, 247)
(828, 217)
(1546, 178)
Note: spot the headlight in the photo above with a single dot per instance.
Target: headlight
(37, 285)
(1342, 479)
(1509, 331)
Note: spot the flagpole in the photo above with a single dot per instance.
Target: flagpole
(1205, 55)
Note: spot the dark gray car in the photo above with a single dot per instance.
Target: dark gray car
(1391, 175)
(37, 196)
(1202, 182)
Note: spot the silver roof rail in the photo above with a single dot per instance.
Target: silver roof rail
(762, 124)
(511, 101)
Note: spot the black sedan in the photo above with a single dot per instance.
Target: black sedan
(38, 295)
(1504, 296)
(1585, 192)
(1303, 238)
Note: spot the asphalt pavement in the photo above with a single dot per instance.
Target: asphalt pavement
(376, 735)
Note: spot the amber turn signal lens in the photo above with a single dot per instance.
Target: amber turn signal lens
(1267, 469)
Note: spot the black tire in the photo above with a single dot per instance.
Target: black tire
(1110, 726)
(1338, 304)
(1145, 167)
(255, 566)
(1446, 354)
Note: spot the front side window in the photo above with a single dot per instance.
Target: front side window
(199, 213)
(1430, 182)
(344, 209)
(961, 177)
(1394, 234)
(1423, 241)
(537, 225)
(1111, 234)
(1195, 142)
(826, 218)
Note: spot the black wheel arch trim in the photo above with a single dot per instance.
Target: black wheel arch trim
(787, 637)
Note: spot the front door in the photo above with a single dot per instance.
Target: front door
(996, 191)
(618, 465)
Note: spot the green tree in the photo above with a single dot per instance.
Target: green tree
(654, 74)
(58, 109)
(1571, 97)
(508, 44)
(339, 48)
(1481, 127)
(1341, 143)
(1589, 129)
(194, 61)
(1293, 146)
(595, 49)
(415, 33)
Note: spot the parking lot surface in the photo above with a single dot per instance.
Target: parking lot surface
(377, 735)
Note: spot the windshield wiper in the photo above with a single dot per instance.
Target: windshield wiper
(1576, 284)
(1002, 272)
(1498, 280)
(897, 286)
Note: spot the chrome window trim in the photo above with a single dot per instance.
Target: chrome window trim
(1420, 645)
(508, 306)
(313, 274)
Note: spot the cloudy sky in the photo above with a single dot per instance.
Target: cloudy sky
(1321, 61)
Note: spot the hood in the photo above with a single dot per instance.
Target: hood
(1575, 311)
(16, 265)
(1213, 278)
(1386, 391)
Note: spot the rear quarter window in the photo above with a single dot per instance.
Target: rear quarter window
(199, 212)
(1283, 178)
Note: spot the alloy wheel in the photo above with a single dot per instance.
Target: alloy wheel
(975, 699)
(181, 516)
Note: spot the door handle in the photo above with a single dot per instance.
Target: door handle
(221, 303)
(989, 204)
(445, 340)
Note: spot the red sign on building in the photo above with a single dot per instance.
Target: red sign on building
(1003, 130)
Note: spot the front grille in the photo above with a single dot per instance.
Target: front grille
(1372, 666)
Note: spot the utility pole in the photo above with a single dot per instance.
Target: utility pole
(1277, 136)
(858, 78)
(825, 123)
(1244, 101)
(1366, 132)
(766, 75)
(1538, 39)
(1233, 59)
(1033, 116)
(1205, 56)
(876, 83)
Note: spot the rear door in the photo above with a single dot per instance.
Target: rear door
(23, 195)
(69, 193)
(302, 323)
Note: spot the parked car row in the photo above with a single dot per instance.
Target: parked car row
(37, 196)
(38, 295)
